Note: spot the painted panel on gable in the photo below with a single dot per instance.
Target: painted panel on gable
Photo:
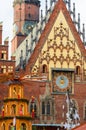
(60, 49)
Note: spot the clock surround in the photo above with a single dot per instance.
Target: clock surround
(62, 80)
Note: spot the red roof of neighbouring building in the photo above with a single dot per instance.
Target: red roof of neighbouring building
(81, 127)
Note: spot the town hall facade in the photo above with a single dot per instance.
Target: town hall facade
(50, 58)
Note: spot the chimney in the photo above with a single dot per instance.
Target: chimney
(6, 41)
(1, 26)
(13, 58)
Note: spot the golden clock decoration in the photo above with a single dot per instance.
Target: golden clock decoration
(62, 81)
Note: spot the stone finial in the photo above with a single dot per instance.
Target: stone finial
(79, 22)
(41, 15)
(51, 1)
(26, 48)
(21, 60)
(46, 7)
(74, 12)
(83, 31)
(69, 5)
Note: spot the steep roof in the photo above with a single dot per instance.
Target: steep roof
(60, 6)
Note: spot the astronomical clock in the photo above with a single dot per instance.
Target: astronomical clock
(27, 27)
(62, 80)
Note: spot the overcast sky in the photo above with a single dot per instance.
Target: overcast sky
(6, 14)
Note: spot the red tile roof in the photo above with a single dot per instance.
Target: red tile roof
(81, 127)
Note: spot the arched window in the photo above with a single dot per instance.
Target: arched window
(23, 126)
(19, 92)
(48, 108)
(33, 108)
(44, 68)
(85, 112)
(13, 109)
(6, 108)
(11, 127)
(43, 107)
(3, 127)
(29, 15)
(21, 110)
(77, 70)
(14, 92)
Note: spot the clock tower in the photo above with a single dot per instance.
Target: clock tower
(26, 15)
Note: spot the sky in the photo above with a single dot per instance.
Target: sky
(6, 14)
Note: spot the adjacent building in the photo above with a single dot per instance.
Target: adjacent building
(6, 65)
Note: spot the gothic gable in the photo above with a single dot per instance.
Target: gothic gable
(59, 46)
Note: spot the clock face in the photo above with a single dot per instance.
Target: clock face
(62, 82)
(27, 27)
